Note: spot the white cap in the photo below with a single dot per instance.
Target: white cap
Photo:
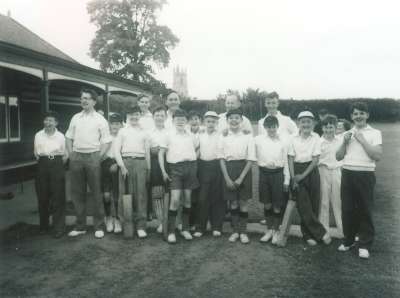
(211, 114)
(305, 114)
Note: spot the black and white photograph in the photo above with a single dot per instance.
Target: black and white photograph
(186, 148)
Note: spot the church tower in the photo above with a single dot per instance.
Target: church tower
(179, 83)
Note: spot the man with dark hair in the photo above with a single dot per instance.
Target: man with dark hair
(88, 139)
(49, 150)
(322, 113)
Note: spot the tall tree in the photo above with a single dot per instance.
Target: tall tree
(129, 42)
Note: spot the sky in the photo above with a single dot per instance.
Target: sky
(300, 49)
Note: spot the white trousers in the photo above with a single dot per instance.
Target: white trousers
(330, 195)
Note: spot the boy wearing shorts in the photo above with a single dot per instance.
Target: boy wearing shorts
(271, 154)
(179, 146)
(237, 153)
(109, 177)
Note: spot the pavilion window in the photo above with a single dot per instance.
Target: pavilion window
(3, 120)
(10, 119)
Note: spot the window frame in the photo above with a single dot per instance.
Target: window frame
(5, 140)
(8, 138)
(11, 139)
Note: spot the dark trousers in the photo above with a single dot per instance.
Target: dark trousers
(308, 198)
(357, 191)
(50, 190)
(86, 170)
(109, 183)
(210, 203)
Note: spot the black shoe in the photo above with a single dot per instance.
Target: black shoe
(58, 234)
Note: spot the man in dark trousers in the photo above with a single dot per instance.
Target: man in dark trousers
(49, 150)
(88, 139)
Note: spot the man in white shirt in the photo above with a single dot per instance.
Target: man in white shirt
(360, 150)
(232, 102)
(146, 120)
(88, 140)
(49, 150)
(287, 127)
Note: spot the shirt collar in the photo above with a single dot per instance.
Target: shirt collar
(367, 127)
(278, 114)
(91, 114)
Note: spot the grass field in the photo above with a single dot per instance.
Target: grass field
(33, 265)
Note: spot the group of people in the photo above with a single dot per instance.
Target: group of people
(203, 163)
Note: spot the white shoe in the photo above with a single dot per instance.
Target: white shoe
(363, 253)
(179, 227)
(159, 229)
(216, 233)
(171, 238)
(356, 239)
(311, 242)
(263, 222)
(275, 237)
(344, 248)
(244, 239)
(141, 234)
(186, 235)
(234, 237)
(109, 224)
(75, 233)
(99, 234)
(117, 226)
(267, 236)
(198, 234)
(327, 239)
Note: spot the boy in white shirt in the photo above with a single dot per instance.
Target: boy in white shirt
(303, 153)
(180, 148)
(132, 153)
(109, 179)
(360, 150)
(157, 184)
(287, 127)
(237, 154)
(330, 174)
(50, 151)
(210, 203)
(272, 160)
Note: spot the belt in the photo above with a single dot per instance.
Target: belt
(49, 157)
(133, 157)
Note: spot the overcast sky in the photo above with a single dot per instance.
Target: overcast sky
(301, 49)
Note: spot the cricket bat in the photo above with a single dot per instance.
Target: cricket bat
(166, 200)
(286, 222)
(127, 208)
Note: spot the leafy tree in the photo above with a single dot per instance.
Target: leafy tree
(129, 42)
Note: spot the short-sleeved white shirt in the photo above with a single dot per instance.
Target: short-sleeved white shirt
(209, 145)
(47, 145)
(304, 149)
(223, 123)
(287, 127)
(271, 153)
(88, 131)
(356, 158)
(146, 121)
(156, 137)
(111, 151)
(131, 141)
(328, 152)
(236, 146)
(180, 146)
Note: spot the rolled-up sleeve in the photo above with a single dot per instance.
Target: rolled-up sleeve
(105, 136)
(70, 134)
